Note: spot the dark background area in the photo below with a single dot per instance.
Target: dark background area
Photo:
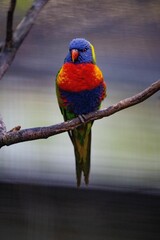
(41, 212)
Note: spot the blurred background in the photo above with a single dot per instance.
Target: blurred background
(125, 146)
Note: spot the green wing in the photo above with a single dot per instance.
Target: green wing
(66, 114)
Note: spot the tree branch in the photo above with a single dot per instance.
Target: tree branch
(7, 54)
(16, 135)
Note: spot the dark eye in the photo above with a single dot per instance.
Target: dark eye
(84, 50)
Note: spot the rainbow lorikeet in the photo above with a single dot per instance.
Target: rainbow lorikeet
(80, 89)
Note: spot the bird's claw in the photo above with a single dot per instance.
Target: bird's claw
(82, 118)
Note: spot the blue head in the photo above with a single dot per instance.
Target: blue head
(80, 51)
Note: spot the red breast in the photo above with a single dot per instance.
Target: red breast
(79, 77)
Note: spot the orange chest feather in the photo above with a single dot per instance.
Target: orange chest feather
(79, 77)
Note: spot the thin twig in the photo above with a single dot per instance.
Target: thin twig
(45, 132)
(3, 129)
(9, 26)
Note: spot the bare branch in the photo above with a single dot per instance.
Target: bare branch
(17, 136)
(7, 54)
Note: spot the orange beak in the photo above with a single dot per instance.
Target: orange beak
(74, 54)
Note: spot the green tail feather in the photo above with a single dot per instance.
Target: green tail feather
(81, 139)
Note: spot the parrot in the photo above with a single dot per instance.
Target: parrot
(80, 89)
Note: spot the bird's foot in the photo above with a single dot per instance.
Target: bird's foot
(82, 118)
